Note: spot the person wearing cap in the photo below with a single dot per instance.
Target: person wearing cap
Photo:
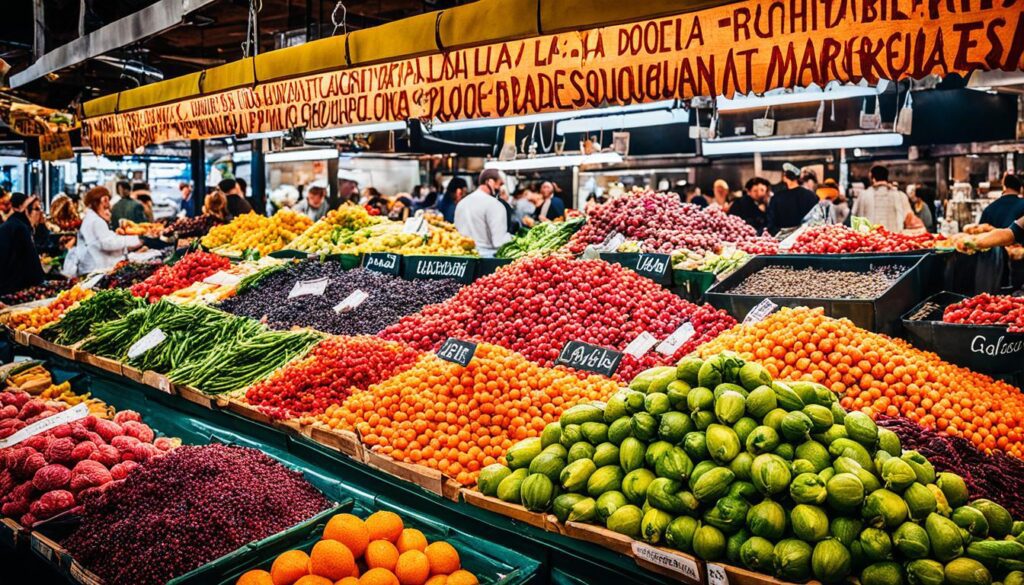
(753, 207)
(720, 194)
(348, 187)
(313, 205)
(789, 206)
(127, 207)
(237, 204)
(482, 217)
(552, 207)
(19, 261)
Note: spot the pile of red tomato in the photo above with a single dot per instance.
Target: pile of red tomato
(986, 309)
(334, 369)
(536, 305)
(191, 268)
(839, 239)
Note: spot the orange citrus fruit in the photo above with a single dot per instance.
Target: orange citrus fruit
(382, 554)
(378, 576)
(314, 580)
(413, 568)
(411, 539)
(348, 581)
(289, 566)
(444, 559)
(255, 577)
(462, 577)
(333, 560)
(348, 530)
(384, 525)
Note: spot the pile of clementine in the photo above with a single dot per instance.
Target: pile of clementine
(881, 375)
(457, 419)
(377, 551)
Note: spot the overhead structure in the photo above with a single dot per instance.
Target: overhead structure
(475, 62)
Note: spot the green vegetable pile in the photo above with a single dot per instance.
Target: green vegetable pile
(716, 459)
(542, 238)
(205, 348)
(105, 305)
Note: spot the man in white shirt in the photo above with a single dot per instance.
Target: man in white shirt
(884, 204)
(482, 217)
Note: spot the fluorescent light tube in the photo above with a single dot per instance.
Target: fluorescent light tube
(796, 144)
(357, 129)
(554, 162)
(620, 121)
(302, 155)
(547, 117)
(261, 135)
(743, 102)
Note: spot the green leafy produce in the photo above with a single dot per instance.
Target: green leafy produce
(542, 238)
(104, 306)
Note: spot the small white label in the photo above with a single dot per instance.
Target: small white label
(415, 225)
(146, 343)
(759, 312)
(728, 249)
(42, 549)
(687, 568)
(222, 278)
(352, 301)
(612, 242)
(641, 345)
(163, 384)
(790, 240)
(92, 281)
(309, 287)
(41, 426)
(717, 575)
(673, 342)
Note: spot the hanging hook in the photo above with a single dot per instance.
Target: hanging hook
(344, 18)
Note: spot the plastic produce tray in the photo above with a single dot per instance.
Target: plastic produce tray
(881, 314)
(989, 349)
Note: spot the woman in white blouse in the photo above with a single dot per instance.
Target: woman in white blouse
(98, 247)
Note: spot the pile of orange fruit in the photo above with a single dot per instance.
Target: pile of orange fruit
(881, 375)
(377, 551)
(457, 419)
(252, 231)
(33, 320)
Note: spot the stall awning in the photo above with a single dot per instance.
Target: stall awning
(497, 58)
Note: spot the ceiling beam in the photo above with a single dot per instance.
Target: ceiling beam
(135, 27)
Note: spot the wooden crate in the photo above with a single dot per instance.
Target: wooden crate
(105, 364)
(516, 512)
(64, 351)
(158, 381)
(346, 442)
(427, 478)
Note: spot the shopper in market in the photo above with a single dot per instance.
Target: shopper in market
(552, 208)
(788, 207)
(98, 247)
(126, 207)
(453, 193)
(1005, 210)
(348, 187)
(186, 195)
(19, 261)
(691, 194)
(314, 205)
(482, 217)
(885, 205)
(753, 207)
(216, 206)
(237, 205)
(5, 206)
(720, 195)
(524, 205)
(921, 208)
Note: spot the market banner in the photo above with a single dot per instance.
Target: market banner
(55, 146)
(750, 46)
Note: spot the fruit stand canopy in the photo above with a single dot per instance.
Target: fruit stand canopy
(493, 58)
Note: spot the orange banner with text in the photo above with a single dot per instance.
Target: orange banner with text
(750, 46)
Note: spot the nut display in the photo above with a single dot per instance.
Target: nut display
(786, 281)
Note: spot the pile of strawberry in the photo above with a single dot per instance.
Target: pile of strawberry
(986, 309)
(191, 268)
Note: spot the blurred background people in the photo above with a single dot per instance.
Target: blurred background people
(314, 204)
(98, 247)
(753, 206)
(19, 260)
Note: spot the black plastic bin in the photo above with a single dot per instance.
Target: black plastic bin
(880, 314)
(989, 349)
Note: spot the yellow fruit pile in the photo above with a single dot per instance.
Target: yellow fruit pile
(252, 231)
(33, 320)
(351, 230)
(379, 551)
(38, 382)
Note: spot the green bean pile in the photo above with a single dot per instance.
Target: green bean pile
(104, 306)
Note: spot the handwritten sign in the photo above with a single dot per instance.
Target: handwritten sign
(309, 287)
(146, 343)
(653, 266)
(591, 358)
(352, 301)
(457, 351)
(384, 262)
(717, 575)
(673, 342)
(72, 414)
(759, 312)
(640, 345)
(55, 146)
(439, 267)
(222, 278)
(683, 566)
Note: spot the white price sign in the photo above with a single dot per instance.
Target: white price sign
(146, 343)
(673, 342)
(641, 345)
(92, 281)
(222, 278)
(416, 225)
(683, 566)
(352, 301)
(309, 287)
(759, 312)
(717, 575)
(41, 426)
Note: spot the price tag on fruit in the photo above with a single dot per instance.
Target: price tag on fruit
(641, 345)
(653, 266)
(92, 281)
(759, 312)
(72, 414)
(673, 342)
(352, 301)
(717, 575)
(309, 287)
(222, 278)
(383, 262)
(146, 343)
(591, 358)
(457, 351)
(416, 225)
(678, 564)
(612, 242)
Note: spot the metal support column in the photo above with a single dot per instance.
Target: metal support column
(198, 164)
(258, 178)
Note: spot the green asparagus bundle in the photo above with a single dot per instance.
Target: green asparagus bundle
(541, 238)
